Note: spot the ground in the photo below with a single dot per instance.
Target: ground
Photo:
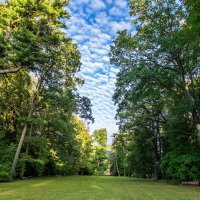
(93, 187)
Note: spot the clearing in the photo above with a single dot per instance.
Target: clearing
(95, 187)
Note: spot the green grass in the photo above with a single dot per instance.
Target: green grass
(93, 187)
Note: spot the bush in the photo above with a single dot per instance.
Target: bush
(4, 172)
(183, 167)
(7, 153)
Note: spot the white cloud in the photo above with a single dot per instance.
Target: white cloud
(114, 70)
(109, 1)
(97, 5)
(116, 11)
(94, 29)
(80, 2)
(105, 59)
(80, 38)
(121, 3)
(102, 18)
(104, 36)
(118, 26)
(100, 51)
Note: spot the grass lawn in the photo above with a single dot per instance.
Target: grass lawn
(93, 187)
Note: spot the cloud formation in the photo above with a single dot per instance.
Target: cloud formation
(93, 26)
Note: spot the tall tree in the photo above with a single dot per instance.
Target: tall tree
(54, 57)
(39, 114)
(162, 37)
(158, 79)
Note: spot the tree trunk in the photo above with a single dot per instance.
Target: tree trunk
(124, 170)
(194, 112)
(124, 161)
(21, 141)
(155, 173)
(198, 131)
(189, 98)
(116, 163)
(26, 154)
(98, 167)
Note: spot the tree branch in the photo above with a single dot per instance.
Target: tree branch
(11, 70)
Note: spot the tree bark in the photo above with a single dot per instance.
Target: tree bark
(7, 71)
(26, 154)
(189, 98)
(198, 131)
(116, 163)
(195, 113)
(124, 161)
(21, 141)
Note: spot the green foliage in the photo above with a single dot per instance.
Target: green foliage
(157, 88)
(100, 137)
(37, 158)
(7, 151)
(141, 156)
(183, 167)
(83, 147)
(27, 25)
(38, 66)
(4, 173)
(99, 153)
(119, 154)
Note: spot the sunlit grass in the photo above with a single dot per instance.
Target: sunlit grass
(93, 187)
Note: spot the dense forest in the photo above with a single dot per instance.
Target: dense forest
(44, 120)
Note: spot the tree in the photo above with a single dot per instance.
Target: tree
(40, 112)
(100, 157)
(120, 150)
(193, 19)
(83, 147)
(158, 80)
(162, 31)
(13, 108)
(23, 24)
(52, 58)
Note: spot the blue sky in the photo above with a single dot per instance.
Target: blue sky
(93, 25)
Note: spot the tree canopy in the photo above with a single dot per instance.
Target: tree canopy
(44, 120)
(38, 67)
(157, 89)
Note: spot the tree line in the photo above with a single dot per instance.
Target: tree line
(41, 131)
(158, 91)
(157, 94)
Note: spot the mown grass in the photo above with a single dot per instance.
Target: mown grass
(93, 187)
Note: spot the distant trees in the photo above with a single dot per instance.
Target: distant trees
(157, 89)
(83, 148)
(100, 152)
(119, 154)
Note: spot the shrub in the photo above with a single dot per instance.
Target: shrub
(183, 167)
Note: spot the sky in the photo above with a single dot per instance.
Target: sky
(93, 26)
